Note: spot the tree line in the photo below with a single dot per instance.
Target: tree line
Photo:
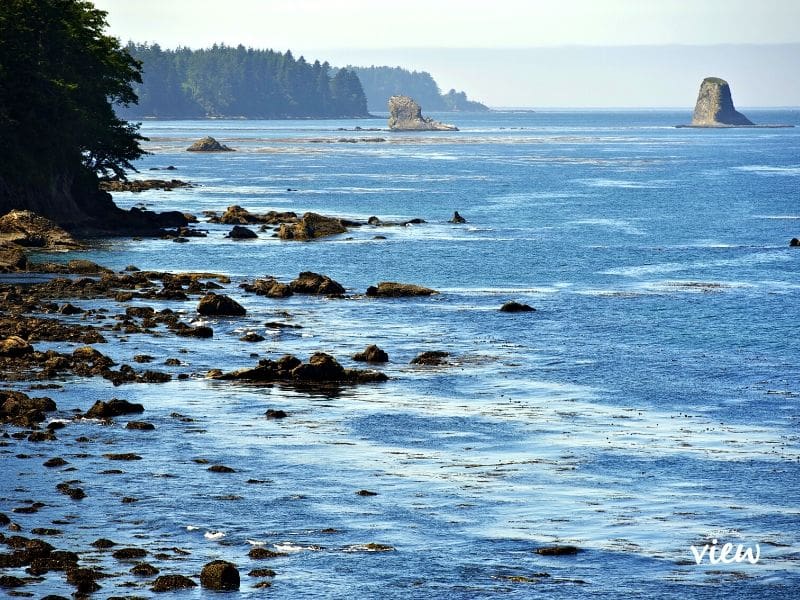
(226, 81)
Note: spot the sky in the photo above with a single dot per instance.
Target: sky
(511, 52)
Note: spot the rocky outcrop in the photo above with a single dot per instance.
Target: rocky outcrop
(321, 368)
(310, 227)
(391, 289)
(714, 107)
(406, 115)
(143, 185)
(219, 575)
(431, 358)
(236, 215)
(516, 307)
(12, 258)
(208, 144)
(241, 233)
(457, 218)
(269, 287)
(26, 228)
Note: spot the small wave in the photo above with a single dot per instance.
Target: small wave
(192, 527)
(290, 548)
(792, 170)
(214, 535)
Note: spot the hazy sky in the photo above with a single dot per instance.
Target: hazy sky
(424, 34)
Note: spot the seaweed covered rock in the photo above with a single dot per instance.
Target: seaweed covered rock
(208, 144)
(311, 226)
(406, 115)
(219, 575)
(392, 289)
(219, 305)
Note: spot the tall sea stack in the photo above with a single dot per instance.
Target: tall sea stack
(714, 106)
(406, 115)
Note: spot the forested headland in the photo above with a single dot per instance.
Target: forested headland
(381, 83)
(226, 81)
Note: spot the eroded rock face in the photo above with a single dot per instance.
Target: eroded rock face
(26, 228)
(208, 144)
(714, 107)
(406, 115)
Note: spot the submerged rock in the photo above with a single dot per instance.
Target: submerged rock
(714, 107)
(406, 115)
(311, 226)
(558, 550)
(208, 144)
(392, 289)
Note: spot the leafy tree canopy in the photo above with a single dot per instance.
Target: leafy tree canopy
(60, 76)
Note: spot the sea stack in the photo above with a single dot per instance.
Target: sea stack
(406, 115)
(714, 106)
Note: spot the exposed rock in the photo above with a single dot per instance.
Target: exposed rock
(366, 493)
(221, 469)
(262, 553)
(70, 309)
(14, 346)
(794, 243)
(241, 233)
(26, 228)
(252, 336)
(219, 575)
(515, 307)
(236, 215)
(113, 408)
(220, 305)
(320, 369)
(314, 283)
(22, 410)
(140, 426)
(406, 115)
(310, 227)
(142, 185)
(86, 267)
(12, 258)
(144, 569)
(431, 358)
(391, 289)
(371, 354)
(208, 144)
(275, 414)
(129, 553)
(270, 287)
(457, 218)
(167, 583)
(714, 107)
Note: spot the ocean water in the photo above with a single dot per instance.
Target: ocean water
(651, 403)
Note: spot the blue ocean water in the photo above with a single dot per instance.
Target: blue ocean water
(652, 401)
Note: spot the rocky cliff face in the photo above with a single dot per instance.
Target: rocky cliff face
(406, 115)
(714, 106)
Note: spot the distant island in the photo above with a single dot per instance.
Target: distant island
(381, 83)
(223, 81)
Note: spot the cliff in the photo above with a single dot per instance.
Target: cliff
(714, 107)
(406, 115)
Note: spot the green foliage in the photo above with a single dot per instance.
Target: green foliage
(240, 82)
(59, 78)
(381, 83)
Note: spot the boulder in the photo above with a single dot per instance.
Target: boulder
(241, 233)
(20, 409)
(371, 354)
(167, 583)
(314, 283)
(220, 305)
(794, 243)
(208, 144)
(391, 289)
(714, 107)
(113, 408)
(457, 218)
(515, 307)
(219, 575)
(406, 115)
(310, 227)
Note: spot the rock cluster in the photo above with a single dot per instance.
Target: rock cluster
(311, 226)
(406, 115)
(143, 185)
(321, 368)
